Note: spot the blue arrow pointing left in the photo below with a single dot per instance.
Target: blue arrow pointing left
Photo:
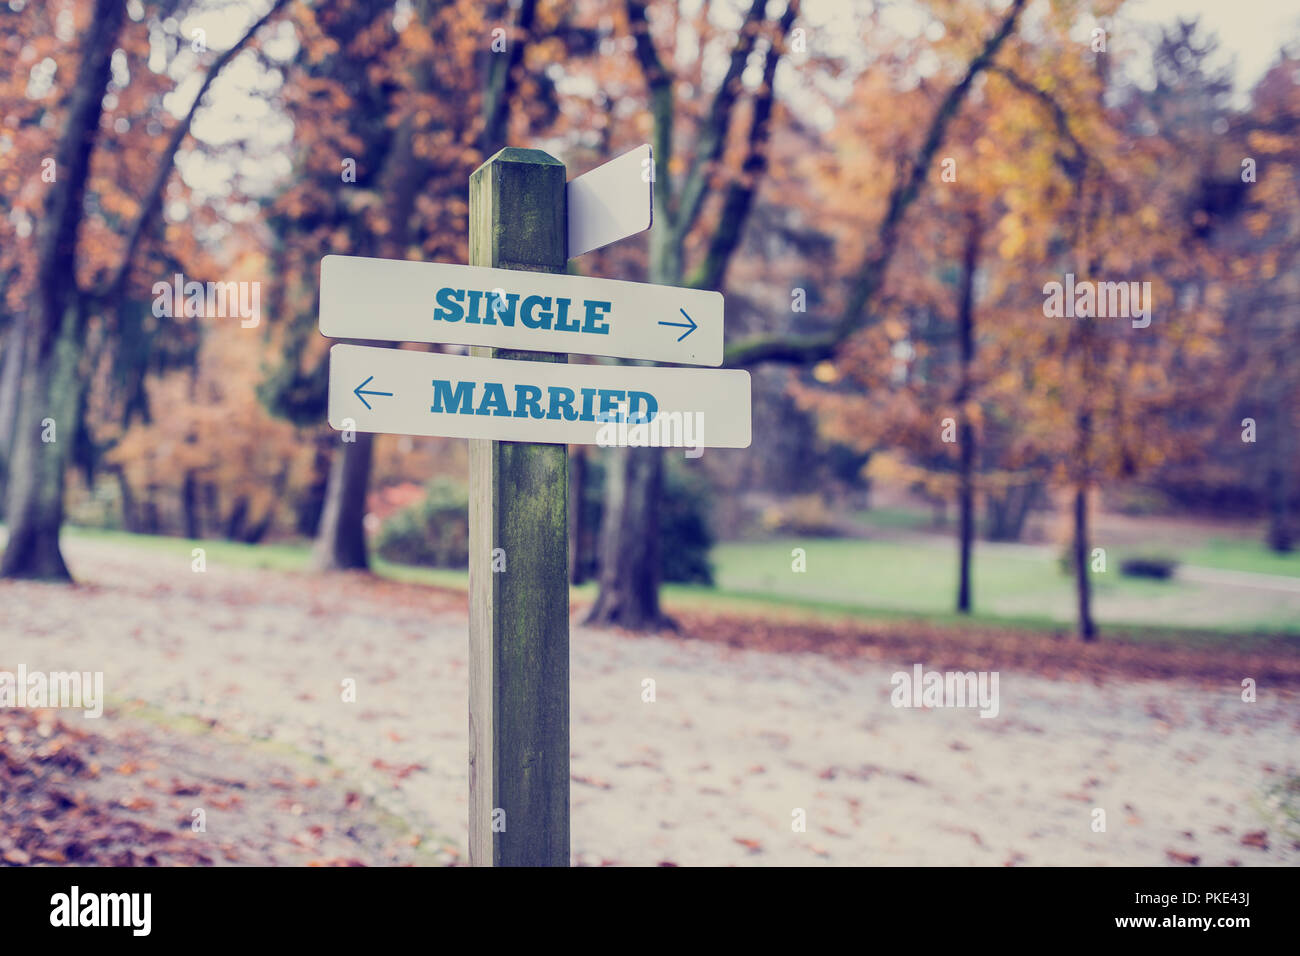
(362, 394)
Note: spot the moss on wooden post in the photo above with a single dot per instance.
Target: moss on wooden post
(518, 573)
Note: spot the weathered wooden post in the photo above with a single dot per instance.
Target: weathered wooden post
(524, 222)
(518, 560)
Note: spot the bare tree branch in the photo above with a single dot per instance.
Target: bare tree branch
(739, 198)
(660, 85)
(871, 274)
(502, 81)
(152, 201)
(56, 243)
(1073, 165)
(713, 133)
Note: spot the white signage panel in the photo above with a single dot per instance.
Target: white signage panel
(426, 393)
(398, 300)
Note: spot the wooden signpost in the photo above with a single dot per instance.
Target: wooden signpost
(520, 403)
(518, 617)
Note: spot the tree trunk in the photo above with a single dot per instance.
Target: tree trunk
(190, 505)
(209, 515)
(1281, 525)
(311, 503)
(11, 370)
(966, 506)
(149, 519)
(341, 538)
(628, 569)
(34, 509)
(628, 556)
(258, 529)
(1281, 535)
(965, 431)
(130, 522)
(1087, 630)
(238, 518)
(577, 494)
(50, 387)
(629, 546)
(938, 511)
(629, 538)
(1083, 583)
(1006, 512)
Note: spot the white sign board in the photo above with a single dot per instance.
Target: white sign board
(397, 300)
(611, 202)
(456, 396)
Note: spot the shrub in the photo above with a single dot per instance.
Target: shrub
(432, 532)
(801, 515)
(1281, 807)
(1148, 566)
(685, 536)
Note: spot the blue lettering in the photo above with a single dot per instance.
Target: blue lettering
(609, 401)
(595, 319)
(562, 322)
(651, 408)
(530, 304)
(561, 399)
(501, 308)
(472, 315)
(450, 307)
(494, 400)
(445, 400)
(528, 401)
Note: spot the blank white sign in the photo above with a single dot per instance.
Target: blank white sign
(611, 202)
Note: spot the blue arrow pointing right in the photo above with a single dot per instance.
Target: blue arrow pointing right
(682, 325)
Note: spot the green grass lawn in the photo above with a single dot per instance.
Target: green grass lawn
(875, 579)
(1229, 554)
(920, 577)
(906, 576)
(1242, 555)
(279, 556)
(889, 575)
(895, 519)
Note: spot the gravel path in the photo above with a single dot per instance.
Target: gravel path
(714, 769)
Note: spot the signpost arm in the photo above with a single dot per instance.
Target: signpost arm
(518, 567)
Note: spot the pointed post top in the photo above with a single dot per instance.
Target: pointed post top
(517, 213)
(518, 154)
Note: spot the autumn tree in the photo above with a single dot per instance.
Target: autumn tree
(69, 273)
(687, 179)
(911, 389)
(391, 117)
(1246, 207)
(227, 465)
(1094, 393)
(1112, 396)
